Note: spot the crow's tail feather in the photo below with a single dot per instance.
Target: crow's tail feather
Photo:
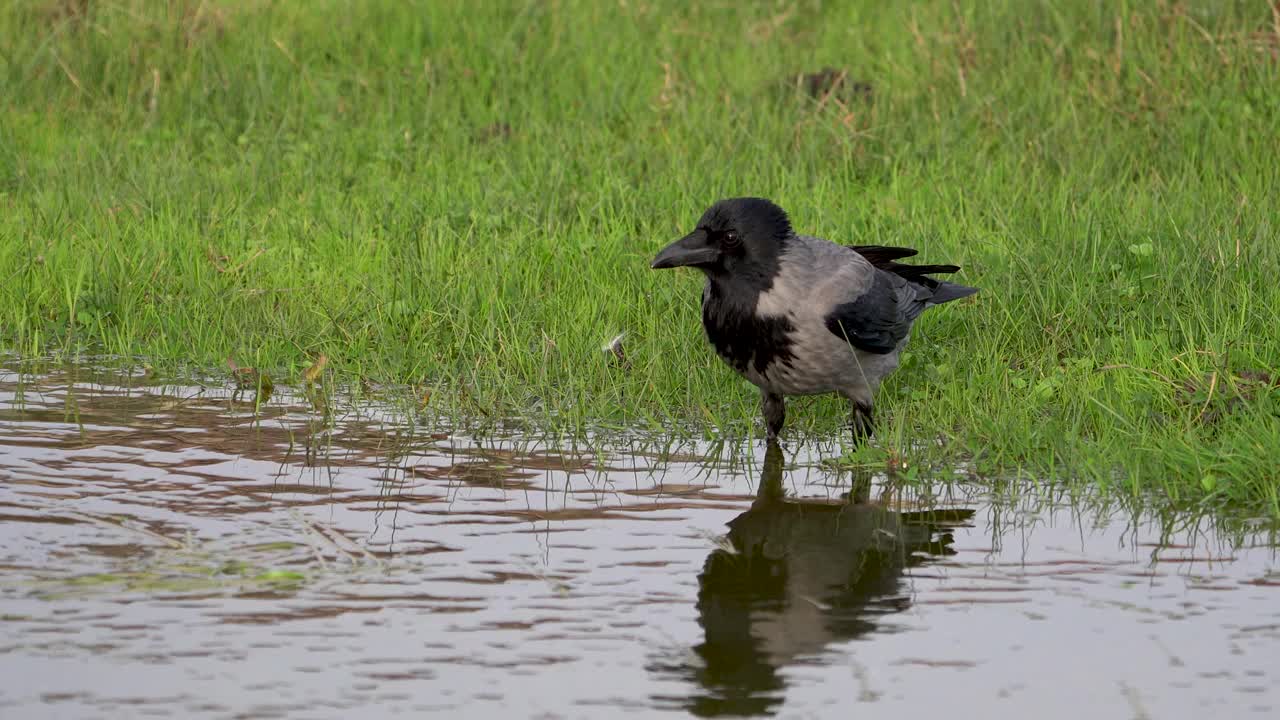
(947, 291)
(879, 254)
(938, 291)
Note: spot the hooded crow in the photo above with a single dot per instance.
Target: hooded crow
(798, 315)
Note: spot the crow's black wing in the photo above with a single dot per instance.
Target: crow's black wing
(877, 319)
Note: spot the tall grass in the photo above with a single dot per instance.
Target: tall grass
(464, 196)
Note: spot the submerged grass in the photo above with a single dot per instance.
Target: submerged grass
(463, 197)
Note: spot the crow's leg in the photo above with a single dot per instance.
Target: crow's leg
(863, 423)
(775, 413)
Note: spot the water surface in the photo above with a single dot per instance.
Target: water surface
(180, 551)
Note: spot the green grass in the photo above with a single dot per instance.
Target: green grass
(465, 197)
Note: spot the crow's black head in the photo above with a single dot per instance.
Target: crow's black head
(739, 236)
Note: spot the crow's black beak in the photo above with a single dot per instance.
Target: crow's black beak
(689, 250)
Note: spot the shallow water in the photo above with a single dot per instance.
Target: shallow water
(169, 552)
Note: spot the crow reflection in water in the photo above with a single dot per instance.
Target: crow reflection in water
(802, 575)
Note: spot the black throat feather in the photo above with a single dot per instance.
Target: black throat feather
(740, 337)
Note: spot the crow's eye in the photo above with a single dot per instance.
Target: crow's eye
(731, 239)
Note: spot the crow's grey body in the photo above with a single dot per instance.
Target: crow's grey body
(798, 315)
(815, 277)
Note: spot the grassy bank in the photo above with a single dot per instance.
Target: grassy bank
(465, 197)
